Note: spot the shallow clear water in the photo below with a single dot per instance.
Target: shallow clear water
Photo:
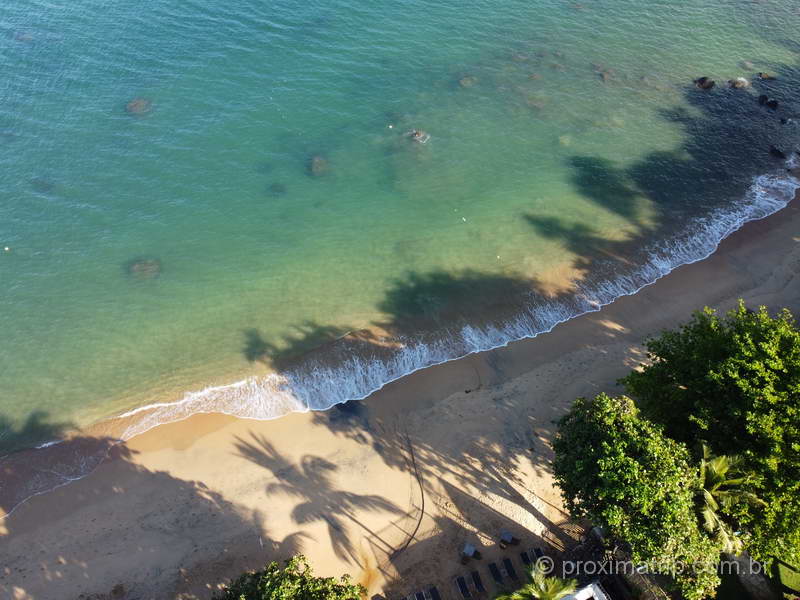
(556, 169)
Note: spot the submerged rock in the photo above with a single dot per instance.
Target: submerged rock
(773, 104)
(42, 185)
(467, 81)
(765, 76)
(144, 268)
(762, 99)
(318, 166)
(534, 76)
(704, 83)
(739, 83)
(748, 65)
(536, 102)
(276, 190)
(777, 153)
(138, 106)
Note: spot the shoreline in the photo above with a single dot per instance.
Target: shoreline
(365, 371)
(372, 362)
(189, 504)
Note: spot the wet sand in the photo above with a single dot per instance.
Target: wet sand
(388, 489)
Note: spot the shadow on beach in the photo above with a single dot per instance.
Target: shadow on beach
(185, 538)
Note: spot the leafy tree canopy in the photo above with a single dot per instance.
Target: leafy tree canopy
(620, 471)
(294, 582)
(542, 587)
(734, 381)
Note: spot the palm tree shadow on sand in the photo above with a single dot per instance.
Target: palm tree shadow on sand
(186, 539)
(311, 481)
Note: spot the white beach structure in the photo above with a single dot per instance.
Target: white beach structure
(593, 591)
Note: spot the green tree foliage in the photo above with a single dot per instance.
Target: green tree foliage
(294, 582)
(541, 587)
(734, 380)
(723, 486)
(620, 471)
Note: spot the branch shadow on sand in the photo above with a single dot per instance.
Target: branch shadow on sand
(311, 481)
(184, 538)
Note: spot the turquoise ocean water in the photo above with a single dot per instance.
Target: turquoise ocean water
(282, 208)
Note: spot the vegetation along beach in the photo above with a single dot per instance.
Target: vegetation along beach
(451, 298)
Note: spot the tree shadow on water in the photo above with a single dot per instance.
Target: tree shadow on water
(35, 429)
(727, 136)
(301, 339)
(424, 300)
(597, 178)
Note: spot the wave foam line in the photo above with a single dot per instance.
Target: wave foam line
(319, 387)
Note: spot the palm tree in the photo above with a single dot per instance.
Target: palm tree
(722, 479)
(541, 587)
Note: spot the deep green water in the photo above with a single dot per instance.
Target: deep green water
(531, 173)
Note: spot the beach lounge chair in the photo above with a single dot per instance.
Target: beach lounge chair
(506, 540)
(496, 575)
(526, 558)
(476, 579)
(419, 596)
(434, 593)
(538, 553)
(461, 584)
(509, 566)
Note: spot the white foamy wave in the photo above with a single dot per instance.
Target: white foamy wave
(319, 387)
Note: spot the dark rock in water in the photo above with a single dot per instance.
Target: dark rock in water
(704, 83)
(606, 75)
(773, 104)
(738, 83)
(318, 166)
(777, 153)
(467, 81)
(144, 268)
(138, 106)
(42, 185)
(762, 99)
(276, 190)
(765, 76)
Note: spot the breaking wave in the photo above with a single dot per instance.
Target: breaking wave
(317, 386)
